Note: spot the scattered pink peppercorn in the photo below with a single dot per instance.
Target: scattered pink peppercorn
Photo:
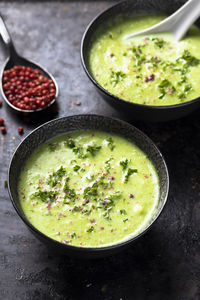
(26, 88)
(149, 78)
(1, 122)
(20, 129)
(1, 103)
(131, 196)
(78, 103)
(3, 129)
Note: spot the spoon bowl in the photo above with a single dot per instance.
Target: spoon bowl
(14, 59)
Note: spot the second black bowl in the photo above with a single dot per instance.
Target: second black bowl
(77, 123)
(126, 9)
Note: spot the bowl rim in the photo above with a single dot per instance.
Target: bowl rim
(147, 106)
(79, 248)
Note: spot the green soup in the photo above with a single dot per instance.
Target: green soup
(151, 70)
(89, 189)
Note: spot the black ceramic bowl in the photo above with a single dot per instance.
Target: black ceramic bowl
(75, 123)
(126, 9)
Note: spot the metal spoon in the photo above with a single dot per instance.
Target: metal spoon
(15, 59)
(178, 23)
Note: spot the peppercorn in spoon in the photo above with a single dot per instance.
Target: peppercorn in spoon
(25, 85)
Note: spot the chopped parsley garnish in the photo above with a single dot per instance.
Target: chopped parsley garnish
(52, 146)
(70, 143)
(159, 42)
(90, 177)
(5, 184)
(124, 163)
(107, 165)
(56, 177)
(76, 209)
(69, 193)
(139, 56)
(90, 192)
(125, 220)
(164, 87)
(76, 168)
(117, 77)
(107, 216)
(45, 196)
(93, 149)
(79, 151)
(189, 59)
(123, 212)
(129, 173)
(185, 91)
(90, 229)
(111, 143)
(73, 235)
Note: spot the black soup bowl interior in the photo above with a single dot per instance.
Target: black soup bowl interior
(65, 125)
(127, 9)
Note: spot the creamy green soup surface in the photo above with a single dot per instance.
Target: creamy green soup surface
(152, 69)
(89, 189)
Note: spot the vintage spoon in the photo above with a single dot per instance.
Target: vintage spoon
(178, 23)
(15, 59)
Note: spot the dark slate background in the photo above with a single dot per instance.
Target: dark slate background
(165, 263)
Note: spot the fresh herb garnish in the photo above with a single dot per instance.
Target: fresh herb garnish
(107, 165)
(70, 143)
(56, 177)
(93, 149)
(52, 146)
(124, 163)
(139, 56)
(129, 173)
(189, 59)
(185, 91)
(73, 235)
(123, 212)
(164, 87)
(159, 42)
(117, 77)
(76, 209)
(69, 193)
(125, 220)
(76, 168)
(90, 192)
(107, 216)
(90, 229)
(79, 151)
(111, 143)
(45, 196)
(90, 177)
(5, 184)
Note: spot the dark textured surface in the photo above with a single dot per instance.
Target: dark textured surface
(165, 264)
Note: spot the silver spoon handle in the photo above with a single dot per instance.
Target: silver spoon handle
(6, 37)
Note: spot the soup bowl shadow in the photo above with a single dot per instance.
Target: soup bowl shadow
(69, 124)
(127, 9)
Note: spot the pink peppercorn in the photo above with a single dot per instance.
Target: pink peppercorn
(3, 129)
(26, 88)
(20, 129)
